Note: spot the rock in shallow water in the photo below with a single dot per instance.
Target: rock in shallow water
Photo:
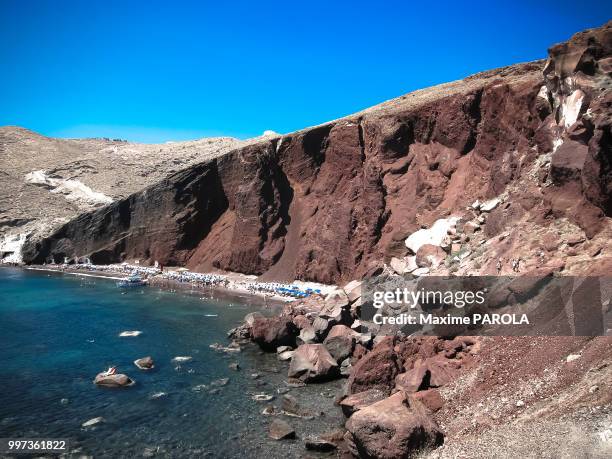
(292, 407)
(130, 333)
(145, 363)
(271, 332)
(93, 422)
(284, 356)
(318, 444)
(116, 380)
(280, 430)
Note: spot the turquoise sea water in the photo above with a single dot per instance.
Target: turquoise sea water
(58, 331)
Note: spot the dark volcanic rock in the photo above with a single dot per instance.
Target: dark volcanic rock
(340, 342)
(376, 370)
(272, 332)
(392, 428)
(431, 399)
(116, 380)
(360, 400)
(312, 362)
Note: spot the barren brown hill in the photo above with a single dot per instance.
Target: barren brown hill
(46, 181)
(331, 202)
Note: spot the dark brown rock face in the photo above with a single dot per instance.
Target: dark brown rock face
(376, 370)
(578, 85)
(330, 202)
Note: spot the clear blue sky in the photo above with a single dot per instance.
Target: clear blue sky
(155, 71)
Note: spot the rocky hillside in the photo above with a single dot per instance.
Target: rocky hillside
(47, 182)
(332, 202)
(441, 397)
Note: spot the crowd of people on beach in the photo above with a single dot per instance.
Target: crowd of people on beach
(183, 275)
(276, 288)
(196, 278)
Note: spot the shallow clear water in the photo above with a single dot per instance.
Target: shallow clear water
(58, 331)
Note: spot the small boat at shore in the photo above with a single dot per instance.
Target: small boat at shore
(133, 281)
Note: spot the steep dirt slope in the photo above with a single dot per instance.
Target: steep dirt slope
(330, 202)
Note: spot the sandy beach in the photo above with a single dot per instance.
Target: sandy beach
(235, 286)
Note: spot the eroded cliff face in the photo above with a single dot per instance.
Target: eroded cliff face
(331, 202)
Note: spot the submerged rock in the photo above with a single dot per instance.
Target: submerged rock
(232, 347)
(270, 410)
(220, 382)
(182, 358)
(294, 382)
(319, 444)
(291, 407)
(145, 363)
(280, 430)
(93, 422)
(130, 333)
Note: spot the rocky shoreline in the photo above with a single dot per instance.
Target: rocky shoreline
(392, 388)
(413, 396)
(173, 285)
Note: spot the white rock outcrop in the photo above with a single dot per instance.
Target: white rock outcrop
(73, 190)
(434, 235)
(490, 205)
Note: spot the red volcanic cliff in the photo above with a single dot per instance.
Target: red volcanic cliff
(329, 202)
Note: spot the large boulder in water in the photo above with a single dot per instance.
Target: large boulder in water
(392, 428)
(312, 362)
(272, 332)
(116, 380)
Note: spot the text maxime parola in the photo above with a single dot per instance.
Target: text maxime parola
(456, 298)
